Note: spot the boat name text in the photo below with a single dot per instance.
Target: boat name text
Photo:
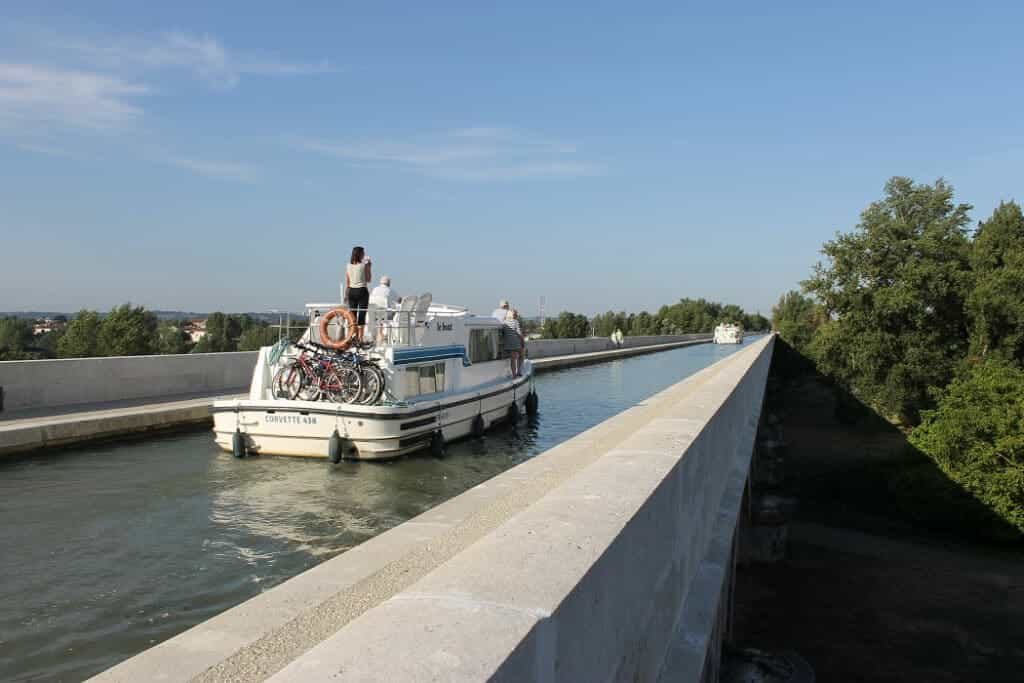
(290, 419)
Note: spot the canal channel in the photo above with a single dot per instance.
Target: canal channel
(110, 549)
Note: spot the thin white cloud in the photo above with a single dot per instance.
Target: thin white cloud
(512, 136)
(203, 56)
(473, 154)
(553, 169)
(32, 96)
(220, 170)
(406, 154)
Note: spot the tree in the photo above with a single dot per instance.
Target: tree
(128, 331)
(795, 318)
(572, 325)
(81, 338)
(566, 326)
(755, 322)
(894, 291)
(15, 336)
(256, 337)
(996, 303)
(223, 332)
(46, 343)
(731, 313)
(976, 438)
(172, 338)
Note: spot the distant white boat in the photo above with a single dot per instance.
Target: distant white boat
(728, 333)
(446, 376)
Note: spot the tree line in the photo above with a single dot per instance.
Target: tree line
(684, 317)
(922, 319)
(130, 331)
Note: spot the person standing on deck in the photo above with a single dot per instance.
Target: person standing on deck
(385, 297)
(501, 311)
(357, 276)
(513, 341)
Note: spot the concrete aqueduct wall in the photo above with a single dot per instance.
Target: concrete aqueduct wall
(606, 558)
(545, 348)
(33, 384)
(36, 384)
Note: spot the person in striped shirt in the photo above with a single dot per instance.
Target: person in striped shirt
(513, 341)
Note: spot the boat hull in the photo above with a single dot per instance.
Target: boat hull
(305, 428)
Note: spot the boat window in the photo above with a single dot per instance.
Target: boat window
(484, 345)
(423, 379)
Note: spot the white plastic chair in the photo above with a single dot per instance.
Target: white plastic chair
(422, 306)
(373, 319)
(420, 315)
(404, 321)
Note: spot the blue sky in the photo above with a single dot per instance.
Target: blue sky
(208, 156)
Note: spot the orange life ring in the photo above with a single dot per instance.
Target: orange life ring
(341, 344)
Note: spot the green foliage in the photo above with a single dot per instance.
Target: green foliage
(795, 318)
(894, 290)
(755, 322)
(128, 331)
(686, 316)
(172, 338)
(976, 436)
(566, 326)
(15, 337)
(81, 337)
(605, 324)
(46, 343)
(256, 337)
(223, 332)
(996, 304)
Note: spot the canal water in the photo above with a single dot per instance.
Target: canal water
(108, 550)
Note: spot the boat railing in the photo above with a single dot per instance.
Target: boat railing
(391, 326)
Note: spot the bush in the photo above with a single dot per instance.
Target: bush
(976, 436)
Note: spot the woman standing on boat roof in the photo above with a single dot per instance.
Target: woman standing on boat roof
(357, 278)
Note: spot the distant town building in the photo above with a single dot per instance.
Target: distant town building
(195, 329)
(47, 325)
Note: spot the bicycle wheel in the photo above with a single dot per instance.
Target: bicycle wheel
(313, 385)
(373, 384)
(288, 381)
(342, 384)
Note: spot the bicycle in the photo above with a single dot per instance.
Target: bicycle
(311, 376)
(370, 374)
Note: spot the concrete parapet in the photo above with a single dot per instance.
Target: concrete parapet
(545, 348)
(605, 558)
(38, 384)
(57, 383)
(27, 430)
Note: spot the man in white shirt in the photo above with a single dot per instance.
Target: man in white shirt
(383, 296)
(501, 312)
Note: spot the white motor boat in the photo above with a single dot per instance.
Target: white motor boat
(446, 377)
(728, 333)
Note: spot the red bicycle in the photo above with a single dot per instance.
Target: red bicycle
(312, 377)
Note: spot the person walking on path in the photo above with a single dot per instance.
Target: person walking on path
(357, 277)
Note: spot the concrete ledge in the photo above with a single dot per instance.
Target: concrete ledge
(559, 362)
(576, 565)
(34, 433)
